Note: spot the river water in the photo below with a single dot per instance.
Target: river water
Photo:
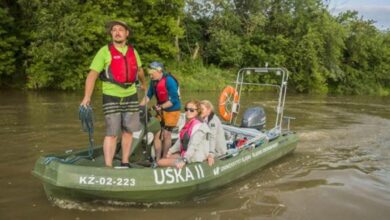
(340, 169)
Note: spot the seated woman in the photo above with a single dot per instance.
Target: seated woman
(218, 145)
(193, 143)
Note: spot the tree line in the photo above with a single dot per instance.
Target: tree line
(49, 44)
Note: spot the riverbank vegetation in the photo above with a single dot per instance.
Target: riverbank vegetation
(50, 44)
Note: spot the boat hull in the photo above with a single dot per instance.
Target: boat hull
(88, 182)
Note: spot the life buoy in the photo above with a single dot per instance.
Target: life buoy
(228, 101)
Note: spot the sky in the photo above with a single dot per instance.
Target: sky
(377, 10)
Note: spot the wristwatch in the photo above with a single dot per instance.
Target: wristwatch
(185, 160)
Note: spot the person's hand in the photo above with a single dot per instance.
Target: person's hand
(158, 107)
(180, 164)
(143, 87)
(142, 114)
(210, 160)
(169, 154)
(85, 102)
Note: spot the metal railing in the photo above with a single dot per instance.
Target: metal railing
(282, 88)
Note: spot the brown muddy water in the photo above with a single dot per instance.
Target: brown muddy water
(340, 169)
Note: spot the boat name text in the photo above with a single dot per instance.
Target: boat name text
(172, 175)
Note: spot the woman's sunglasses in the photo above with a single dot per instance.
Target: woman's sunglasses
(190, 109)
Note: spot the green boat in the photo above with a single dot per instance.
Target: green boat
(88, 179)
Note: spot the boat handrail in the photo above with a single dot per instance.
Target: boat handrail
(243, 131)
(288, 119)
(259, 84)
(282, 89)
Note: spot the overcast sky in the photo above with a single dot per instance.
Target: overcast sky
(378, 10)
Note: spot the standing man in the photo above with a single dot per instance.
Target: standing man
(118, 65)
(166, 89)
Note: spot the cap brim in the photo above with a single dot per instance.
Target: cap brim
(111, 24)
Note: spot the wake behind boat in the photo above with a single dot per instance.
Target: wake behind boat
(250, 148)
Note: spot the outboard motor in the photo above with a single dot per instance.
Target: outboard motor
(254, 118)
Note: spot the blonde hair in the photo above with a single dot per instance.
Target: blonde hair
(196, 103)
(208, 104)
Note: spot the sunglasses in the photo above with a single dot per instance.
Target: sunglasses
(190, 109)
(151, 67)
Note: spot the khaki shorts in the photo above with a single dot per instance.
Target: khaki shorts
(170, 119)
(125, 121)
(121, 114)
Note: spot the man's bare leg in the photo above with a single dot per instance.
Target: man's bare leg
(127, 139)
(109, 145)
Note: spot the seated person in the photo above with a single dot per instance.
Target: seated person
(218, 145)
(193, 143)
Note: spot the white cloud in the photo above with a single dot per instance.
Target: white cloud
(378, 13)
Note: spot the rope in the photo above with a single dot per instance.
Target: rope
(86, 118)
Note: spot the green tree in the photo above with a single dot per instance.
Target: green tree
(66, 34)
(365, 60)
(156, 26)
(51, 43)
(64, 37)
(8, 47)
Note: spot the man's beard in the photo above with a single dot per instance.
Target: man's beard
(119, 41)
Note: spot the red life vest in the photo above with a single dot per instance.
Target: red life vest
(185, 135)
(122, 69)
(160, 88)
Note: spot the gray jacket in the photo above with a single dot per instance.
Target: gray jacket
(199, 145)
(218, 144)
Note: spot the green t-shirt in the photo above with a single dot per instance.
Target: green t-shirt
(101, 62)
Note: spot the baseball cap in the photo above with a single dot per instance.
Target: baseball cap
(156, 65)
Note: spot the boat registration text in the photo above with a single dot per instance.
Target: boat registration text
(106, 181)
